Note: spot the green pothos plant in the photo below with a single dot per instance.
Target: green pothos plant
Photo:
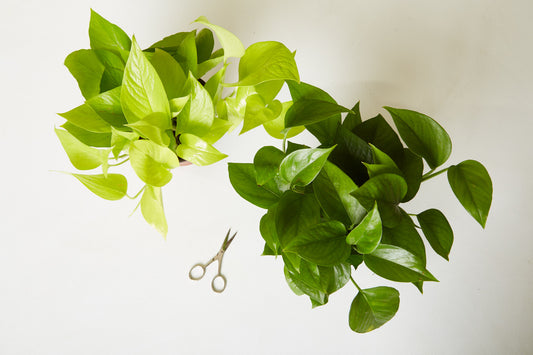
(335, 207)
(165, 104)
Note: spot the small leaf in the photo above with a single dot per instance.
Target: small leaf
(198, 151)
(105, 35)
(437, 231)
(153, 127)
(85, 117)
(231, 44)
(383, 164)
(276, 127)
(322, 244)
(397, 264)
(306, 112)
(353, 118)
(169, 71)
(372, 308)
(258, 112)
(242, 178)
(213, 85)
(152, 162)
(111, 187)
(472, 186)
(367, 235)
(265, 61)
(302, 166)
(266, 163)
(332, 188)
(142, 90)
(204, 67)
(295, 214)
(86, 68)
(152, 209)
(405, 236)
(423, 135)
(198, 113)
(205, 43)
(80, 155)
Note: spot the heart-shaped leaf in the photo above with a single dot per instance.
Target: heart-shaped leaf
(309, 111)
(242, 178)
(80, 155)
(372, 308)
(152, 162)
(302, 166)
(266, 163)
(86, 68)
(170, 72)
(294, 215)
(231, 44)
(198, 151)
(367, 235)
(105, 35)
(111, 187)
(437, 230)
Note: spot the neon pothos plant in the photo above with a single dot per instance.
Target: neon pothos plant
(335, 207)
(157, 106)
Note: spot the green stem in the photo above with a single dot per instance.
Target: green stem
(122, 162)
(284, 144)
(431, 174)
(356, 285)
(137, 195)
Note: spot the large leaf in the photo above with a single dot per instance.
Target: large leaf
(405, 236)
(302, 166)
(266, 163)
(332, 189)
(242, 178)
(205, 42)
(423, 135)
(472, 186)
(265, 61)
(378, 132)
(198, 114)
(86, 137)
(294, 215)
(105, 35)
(397, 264)
(80, 155)
(107, 105)
(198, 151)
(114, 69)
(231, 44)
(267, 227)
(142, 90)
(367, 235)
(323, 243)
(372, 308)
(388, 190)
(111, 187)
(170, 72)
(152, 162)
(437, 231)
(86, 68)
(84, 116)
(152, 209)
(309, 111)
(186, 54)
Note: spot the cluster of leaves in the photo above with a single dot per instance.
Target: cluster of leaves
(337, 206)
(162, 105)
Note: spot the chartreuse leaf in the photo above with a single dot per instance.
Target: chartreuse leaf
(153, 127)
(242, 178)
(198, 114)
(114, 69)
(423, 135)
(322, 243)
(142, 90)
(105, 35)
(388, 190)
(258, 112)
(170, 73)
(120, 140)
(198, 151)
(170, 43)
(213, 85)
(276, 127)
(216, 58)
(295, 214)
(80, 155)
(266, 163)
(152, 162)
(372, 308)
(205, 43)
(231, 44)
(87, 70)
(302, 166)
(397, 264)
(367, 234)
(437, 231)
(86, 137)
(379, 133)
(267, 227)
(219, 128)
(265, 61)
(111, 187)
(472, 186)
(107, 106)
(85, 117)
(186, 54)
(353, 118)
(152, 209)
(332, 188)
(309, 111)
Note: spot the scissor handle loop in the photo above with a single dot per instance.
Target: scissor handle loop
(219, 289)
(199, 277)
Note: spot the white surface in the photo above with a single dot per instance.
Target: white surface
(77, 276)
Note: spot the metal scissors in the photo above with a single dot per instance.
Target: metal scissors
(218, 257)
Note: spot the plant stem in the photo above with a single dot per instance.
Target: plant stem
(431, 174)
(122, 162)
(136, 195)
(284, 144)
(356, 285)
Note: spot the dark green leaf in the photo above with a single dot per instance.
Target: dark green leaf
(353, 118)
(295, 213)
(242, 178)
(405, 236)
(292, 147)
(266, 163)
(276, 127)
(412, 167)
(267, 227)
(86, 68)
(355, 260)
(367, 235)
(302, 166)
(472, 186)
(437, 231)
(423, 135)
(378, 132)
(85, 117)
(372, 308)
(383, 164)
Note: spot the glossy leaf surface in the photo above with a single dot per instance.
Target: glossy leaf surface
(367, 234)
(302, 166)
(437, 230)
(242, 178)
(294, 215)
(380, 134)
(372, 308)
(266, 163)
(111, 187)
(267, 227)
(405, 236)
(309, 111)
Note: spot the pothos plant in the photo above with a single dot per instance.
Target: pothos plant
(165, 104)
(335, 207)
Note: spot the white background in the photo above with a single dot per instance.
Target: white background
(78, 276)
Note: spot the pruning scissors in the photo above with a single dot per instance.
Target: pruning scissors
(218, 257)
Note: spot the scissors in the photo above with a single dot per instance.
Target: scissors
(218, 257)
